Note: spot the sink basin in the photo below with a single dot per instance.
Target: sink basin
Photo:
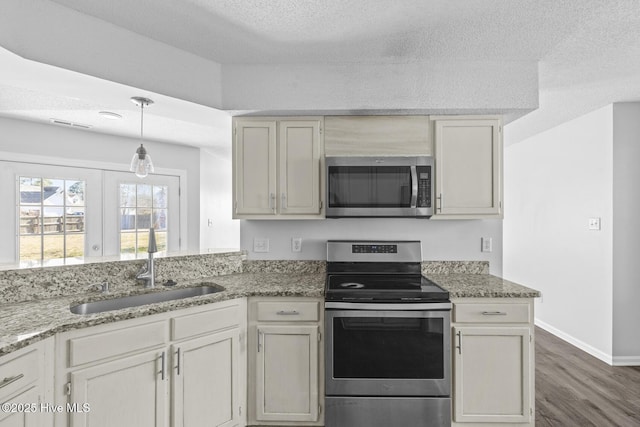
(143, 299)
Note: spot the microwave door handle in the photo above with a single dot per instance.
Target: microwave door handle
(414, 187)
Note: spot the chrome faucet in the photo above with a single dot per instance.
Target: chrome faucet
(147, 272)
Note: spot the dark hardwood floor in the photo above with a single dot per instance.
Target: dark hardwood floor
(574, 388)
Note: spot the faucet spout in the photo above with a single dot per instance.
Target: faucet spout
(147, 272)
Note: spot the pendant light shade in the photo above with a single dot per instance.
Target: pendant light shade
(141, 163)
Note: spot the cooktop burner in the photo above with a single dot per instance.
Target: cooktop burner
(378, 271)
(341, 287)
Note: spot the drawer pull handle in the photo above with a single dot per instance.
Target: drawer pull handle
(162, 362)
(494, 313)
(288, 313)
(10, 380)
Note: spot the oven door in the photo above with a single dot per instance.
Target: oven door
(388, 352)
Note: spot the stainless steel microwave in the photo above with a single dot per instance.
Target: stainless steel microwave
(379, 187)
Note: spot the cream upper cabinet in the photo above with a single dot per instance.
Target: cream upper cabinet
(254, 163)
(285, 361)
(468, 167)
(493, 363)
(377, 136)
(278, 168)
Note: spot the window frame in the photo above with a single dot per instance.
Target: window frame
(13, 165)
(112, 183)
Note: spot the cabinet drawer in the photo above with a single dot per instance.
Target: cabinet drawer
(491, 313)
(116, 342)
(288, 311)
(18, 372)
(205, 322)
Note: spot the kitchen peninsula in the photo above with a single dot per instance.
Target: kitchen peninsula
(39, 317)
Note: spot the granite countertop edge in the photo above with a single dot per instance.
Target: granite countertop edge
(25, 323)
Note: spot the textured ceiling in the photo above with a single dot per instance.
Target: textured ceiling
(284, 31)
(588, 51)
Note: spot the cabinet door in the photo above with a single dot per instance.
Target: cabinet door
(131, 391)
(254, 160)
(468, 167)
(31, 416)
(299, 183)
(492, 378)
(205, 381)
(287, 373)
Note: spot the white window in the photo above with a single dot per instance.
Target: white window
(52, 219)
(141, 203)
(54, 215)
(142, 206)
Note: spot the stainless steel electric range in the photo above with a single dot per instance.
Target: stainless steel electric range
(387, 338)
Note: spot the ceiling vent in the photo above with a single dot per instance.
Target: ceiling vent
(69, 124)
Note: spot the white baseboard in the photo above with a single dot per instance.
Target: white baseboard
(626, 360)
(607, 358)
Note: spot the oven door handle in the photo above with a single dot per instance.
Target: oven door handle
(414, 187)
(390, 307)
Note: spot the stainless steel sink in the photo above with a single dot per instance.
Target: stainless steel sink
(143, 299)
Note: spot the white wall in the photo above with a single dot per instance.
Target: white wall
(554, 182)
(53, 34)
(438, 87)
(626, 233)
(441, 240)
(18, 136)
(217, 229)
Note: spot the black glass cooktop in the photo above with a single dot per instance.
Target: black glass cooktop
(376, 287)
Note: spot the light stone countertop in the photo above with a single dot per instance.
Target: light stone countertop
(481, 286)
(23, 323)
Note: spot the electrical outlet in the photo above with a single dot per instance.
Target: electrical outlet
(260, 245)
(594, 223)
(296, 244)
(486, 244)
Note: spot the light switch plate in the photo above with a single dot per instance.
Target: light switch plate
(260, 245)
(487, 244)
(296, 244)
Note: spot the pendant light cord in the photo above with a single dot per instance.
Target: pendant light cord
(141, 121)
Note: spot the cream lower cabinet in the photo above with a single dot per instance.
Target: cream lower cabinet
(468, 167)
(126, 391)
(205, 380)
(493, 363)
(277, 168)
(285, 360)
(173, 369)
(25, 386)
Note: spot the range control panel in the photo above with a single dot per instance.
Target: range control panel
(374, 249)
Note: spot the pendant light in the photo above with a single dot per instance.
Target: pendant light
(141, 162)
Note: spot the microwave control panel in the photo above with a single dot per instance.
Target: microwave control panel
(424, 186)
